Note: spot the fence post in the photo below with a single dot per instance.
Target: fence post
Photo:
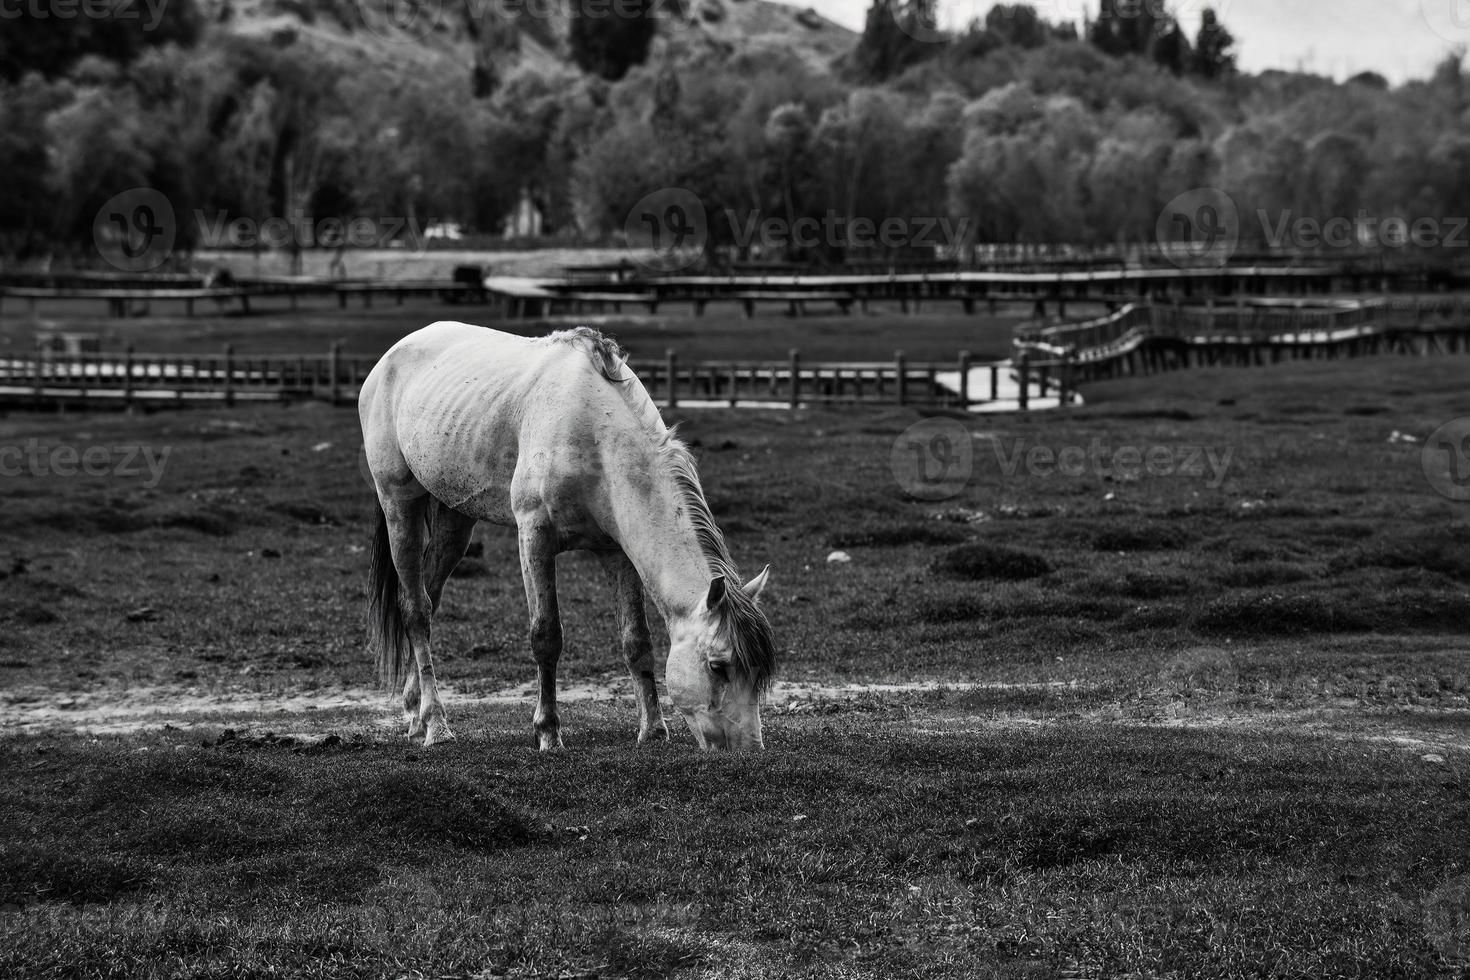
(995, 382)
(333, 362)
(1022, 369)
(229, 374)
(965, 380)
(1064, 381)
(671, 365)
(128, 376)
(900, 391)
(795, 378)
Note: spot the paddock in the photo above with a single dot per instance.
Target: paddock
(1117, 717)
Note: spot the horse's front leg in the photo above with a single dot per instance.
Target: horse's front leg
(637, 644)
(539, 547)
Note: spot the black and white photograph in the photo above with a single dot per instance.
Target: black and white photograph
(734, 489)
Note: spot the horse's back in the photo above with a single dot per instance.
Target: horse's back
(454, 407)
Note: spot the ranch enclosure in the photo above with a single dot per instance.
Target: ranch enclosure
(1092, 378)
(1200, 720)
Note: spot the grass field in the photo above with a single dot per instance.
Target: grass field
(1208, 724)
(938, 333)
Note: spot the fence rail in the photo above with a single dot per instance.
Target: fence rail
(47, 377)
(103, 379)
(1048, 361)
(1142, 337)
(961, 383)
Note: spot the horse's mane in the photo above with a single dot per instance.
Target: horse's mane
(752, 645)
(742, 623)
(604, 352)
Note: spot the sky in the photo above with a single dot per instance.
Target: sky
(1399, 39)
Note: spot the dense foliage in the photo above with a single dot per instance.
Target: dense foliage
(1015, 130)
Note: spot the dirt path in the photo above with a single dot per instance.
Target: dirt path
(126, 711)
(120, 711)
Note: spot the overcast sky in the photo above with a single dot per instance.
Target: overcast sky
(1397, 38)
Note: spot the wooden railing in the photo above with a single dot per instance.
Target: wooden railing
(1243, 332)
(795, 382)
(123, 295)
(46, 377)
(121, 379)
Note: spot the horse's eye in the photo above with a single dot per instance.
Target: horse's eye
(720, 669)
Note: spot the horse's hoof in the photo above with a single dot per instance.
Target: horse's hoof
(658, 734)
(435, 734)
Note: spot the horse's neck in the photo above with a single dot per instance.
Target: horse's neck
(655, 532)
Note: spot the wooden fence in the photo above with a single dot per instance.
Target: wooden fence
(109, 379)
(1142, 338)
(124, 296)
(1049, 360)
(962, 383)
(100, 379)
(516, 297)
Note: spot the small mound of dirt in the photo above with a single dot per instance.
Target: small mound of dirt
(1254, 575)
(32, 873)
(1141, 536)
(432, 808)
(991, 561)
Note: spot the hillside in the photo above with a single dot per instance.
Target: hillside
(450, 38)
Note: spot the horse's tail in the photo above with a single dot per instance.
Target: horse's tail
(387, 634)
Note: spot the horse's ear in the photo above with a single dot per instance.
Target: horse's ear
(716, 593)
(755, 586)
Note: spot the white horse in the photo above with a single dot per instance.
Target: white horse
(556, 436)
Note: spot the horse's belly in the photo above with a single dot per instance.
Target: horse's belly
(468, 475)
(464, 450)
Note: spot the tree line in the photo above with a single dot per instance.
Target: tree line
(1015, 129)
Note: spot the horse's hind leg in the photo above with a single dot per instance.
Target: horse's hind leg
(637, 644)
(538, 567)
(406, 537)
(448, 536)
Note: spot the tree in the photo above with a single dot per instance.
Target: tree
(1369, 79)
(864, 151)
(607, 42)
(27, 193)
(1125, 175)
(897, 35)
(51, 44)
(1172, 49)
(97, 146)
(1025, 184)
(1213, 57)
(1128, 26)
(1018, 24)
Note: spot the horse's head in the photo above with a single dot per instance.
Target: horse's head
(720, 661)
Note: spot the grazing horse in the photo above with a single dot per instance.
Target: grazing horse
(557, 437)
